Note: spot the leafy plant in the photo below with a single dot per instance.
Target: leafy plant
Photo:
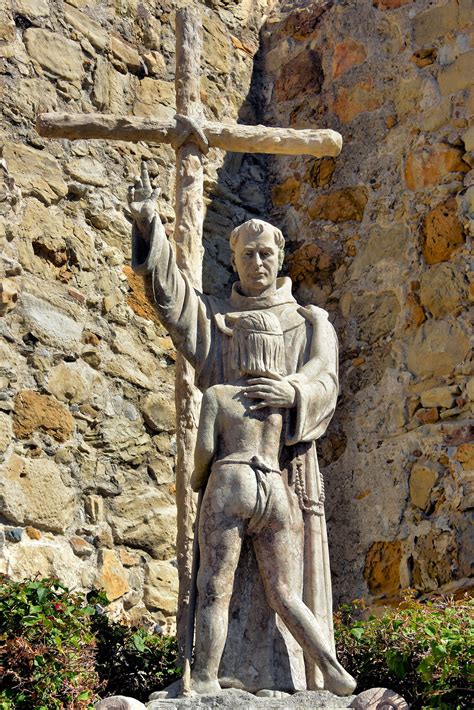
(132, 661)
(47, 647)
(424, 651)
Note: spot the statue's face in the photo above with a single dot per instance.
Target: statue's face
(256, 261)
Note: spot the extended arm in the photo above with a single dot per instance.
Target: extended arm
(181, 309)
(206, 443)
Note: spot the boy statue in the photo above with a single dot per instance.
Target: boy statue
(237, 460)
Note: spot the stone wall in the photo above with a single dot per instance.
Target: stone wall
(379, 238)
(86, 375)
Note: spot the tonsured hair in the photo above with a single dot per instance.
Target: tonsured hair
(256, 227)
(257, 344)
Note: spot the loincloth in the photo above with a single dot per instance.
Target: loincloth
(265, 496)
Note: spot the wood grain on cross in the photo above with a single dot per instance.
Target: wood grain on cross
(189, 222)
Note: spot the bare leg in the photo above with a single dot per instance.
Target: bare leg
(272, 548)
(220, 540)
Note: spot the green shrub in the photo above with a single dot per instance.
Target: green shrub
(131, 661)
(47, 647)
(61, 652)
(424, 651)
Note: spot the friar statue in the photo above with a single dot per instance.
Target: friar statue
(259, 651)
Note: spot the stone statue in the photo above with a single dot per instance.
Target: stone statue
(278, 408)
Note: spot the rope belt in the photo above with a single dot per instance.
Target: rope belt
(307, 504)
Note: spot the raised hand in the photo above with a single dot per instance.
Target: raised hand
(273, 392)
(141, 200)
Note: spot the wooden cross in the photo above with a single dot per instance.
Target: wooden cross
(189, 223)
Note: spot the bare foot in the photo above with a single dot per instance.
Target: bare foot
(337, 680)
(204, 685)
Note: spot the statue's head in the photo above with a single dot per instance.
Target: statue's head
(257, 255)
(257, 344)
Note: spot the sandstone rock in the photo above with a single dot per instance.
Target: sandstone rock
(458, 75)
(159, 412)
(429, 165)
(468, 139)
(375, 314)
(320, 171)
(32, 9)
(43, 179)
(340, 205)
(81, 547)
(45, 558)
(33, 533)
(231, 699)
(286, 193)
(34, 494)
(88, 171)
(437, 21)
(144, 518)
(302, 75)
(152, 96)
(94, 508)
(6, 432)
(8, 295)
(442, 232)
(73, 381)
(356, 99)
(40, 412)
(217, 50)
(49, 325)
(161, 586)
(442, 290)
(55, 53)
(119, 702)
(422, 480)
(381, 698)
(382, 567)
(347, 54)
(125, 52)
(112, 577)
(121, 438)
(437, 348)
(435, 559)
(91, 29)
(444, 396)
(30, 95)
(384, 243)
(111, 88)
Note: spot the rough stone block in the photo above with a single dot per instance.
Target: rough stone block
(442, 289)
(40, 412)
(437, 348)
(340, 205)
(458, 75)
(55, 53)
(442, 232)
(43, 179)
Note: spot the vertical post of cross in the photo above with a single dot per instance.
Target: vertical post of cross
(189, 252)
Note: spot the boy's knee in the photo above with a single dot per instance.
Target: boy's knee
(279, 597)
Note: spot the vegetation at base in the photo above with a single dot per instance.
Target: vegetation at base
(62, 652)
(422, 650)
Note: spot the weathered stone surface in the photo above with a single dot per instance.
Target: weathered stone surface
(159, 412)
(435, 21)
(429, 165)
(81, 547)
(422, 480)
(302, 75)
(380, 698)
(161, 586)
(119, 702)
(144, 518)
(91, 29)
(442, 232)
(382, 567)
(356, 99)
(340, 205)
(88, 171)
(437, 348)
(32, 8)
(286, 193)
(439, 396)
(49, 325)
(73, 381)
(8, 295)
(389, 4)
(232, 699)
(33, 494)
(442, 290)
(6, 432)
(125, 52)
(55, 53)
(43, 179)
(40, 412)
(112, 578)
(458, 75)
(383, 244)
(375, 314)
(347, 54)
(45, 558)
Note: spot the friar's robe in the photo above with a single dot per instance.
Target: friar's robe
(260, 653)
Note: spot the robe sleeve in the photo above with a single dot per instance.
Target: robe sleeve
(183, 310)
(316, 383)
